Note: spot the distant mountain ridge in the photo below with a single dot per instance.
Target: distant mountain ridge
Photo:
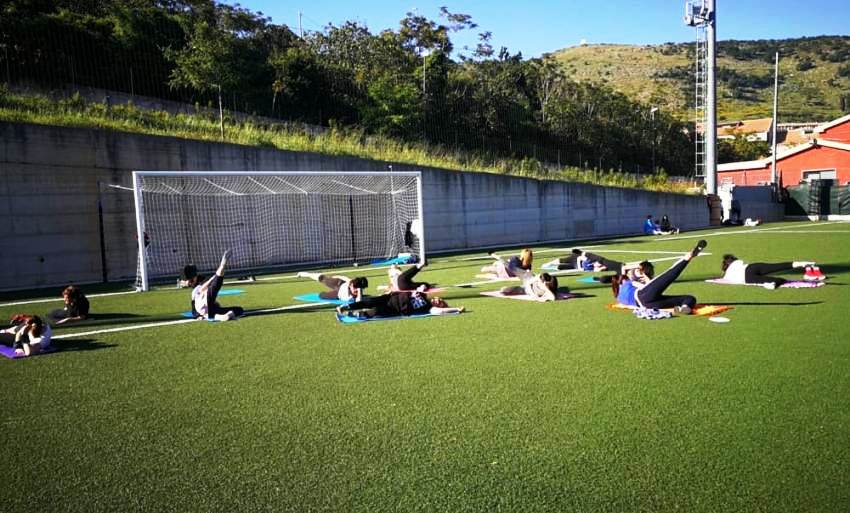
(814, 74)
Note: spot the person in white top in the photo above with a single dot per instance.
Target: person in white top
(30, 335)
(342, 288)
(204, 295)
(541, 287)
(738, 271)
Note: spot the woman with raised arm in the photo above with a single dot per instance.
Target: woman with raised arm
(204, 296)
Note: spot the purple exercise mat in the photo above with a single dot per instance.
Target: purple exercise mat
(798, 284)
(8, 352)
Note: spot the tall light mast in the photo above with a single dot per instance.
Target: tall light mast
(701, 15)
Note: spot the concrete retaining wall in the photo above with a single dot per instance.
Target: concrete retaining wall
(49, 190)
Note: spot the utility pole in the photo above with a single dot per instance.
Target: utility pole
(774, 175)
(652, 112)
(300, 25)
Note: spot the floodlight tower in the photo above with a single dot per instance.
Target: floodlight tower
(701, 15)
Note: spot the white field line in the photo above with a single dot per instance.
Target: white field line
(48, 300)
(180, 321)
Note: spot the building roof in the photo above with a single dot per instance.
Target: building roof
(747, 126)
(765, 162)
(793, 137)
(835, 122)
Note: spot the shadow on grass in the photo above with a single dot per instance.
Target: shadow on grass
(80, 344)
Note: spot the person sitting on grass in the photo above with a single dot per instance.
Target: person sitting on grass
(342, 288)
(666, 227)
(29, 335)
(403, 280)
(501, 269)
(398, 304)
(738, 271)
(640, 287)
(76, 307)
(204, 295)
(541, 287)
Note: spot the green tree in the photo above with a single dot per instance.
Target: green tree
(205, 62)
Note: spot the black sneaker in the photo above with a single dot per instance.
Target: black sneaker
(699, 247)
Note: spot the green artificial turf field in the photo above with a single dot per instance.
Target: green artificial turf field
(512, 406)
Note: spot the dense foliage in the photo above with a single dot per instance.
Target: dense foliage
(408, 83)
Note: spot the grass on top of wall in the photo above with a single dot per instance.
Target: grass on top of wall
(349, 142)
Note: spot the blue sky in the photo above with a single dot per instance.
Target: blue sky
(537, 26)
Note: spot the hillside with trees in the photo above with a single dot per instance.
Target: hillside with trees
(814, 76)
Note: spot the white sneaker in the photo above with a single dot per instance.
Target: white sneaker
(769, 285)
(301, 274)
(231, 315)
(224, 317)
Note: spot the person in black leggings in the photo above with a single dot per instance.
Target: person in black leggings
(577, 258)
(403, 280)
(646, 290)
(205, 295)
(399, 303)
(738, 271)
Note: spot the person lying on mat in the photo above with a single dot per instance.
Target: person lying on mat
(640, 287)
(586, 261)
(542, 287)
(76, 307)
(501, 269)
(29, 335)
(339, 287)
(738, 271)
(403, 280)
(397, 304)
(204, 295)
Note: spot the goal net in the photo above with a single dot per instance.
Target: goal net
(273, 219)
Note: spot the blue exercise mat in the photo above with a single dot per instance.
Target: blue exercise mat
(396, 260)
(588, 279)
(189, 315)
(348, 319)
(314, 298)
(230, 292)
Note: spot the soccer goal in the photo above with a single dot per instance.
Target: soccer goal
(273, 220)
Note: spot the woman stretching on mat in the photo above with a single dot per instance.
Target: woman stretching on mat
(397, 304)
(503, 270)
(340, 287)
(738, 271)
(542, 287)
(403, 280)
(204, 305)
(29, 335)
(586, 261)
(640, 287)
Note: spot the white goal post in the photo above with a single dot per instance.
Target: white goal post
(271, 219)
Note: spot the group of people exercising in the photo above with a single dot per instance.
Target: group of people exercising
(632, 284)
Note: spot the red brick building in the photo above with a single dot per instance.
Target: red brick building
(827, 156)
